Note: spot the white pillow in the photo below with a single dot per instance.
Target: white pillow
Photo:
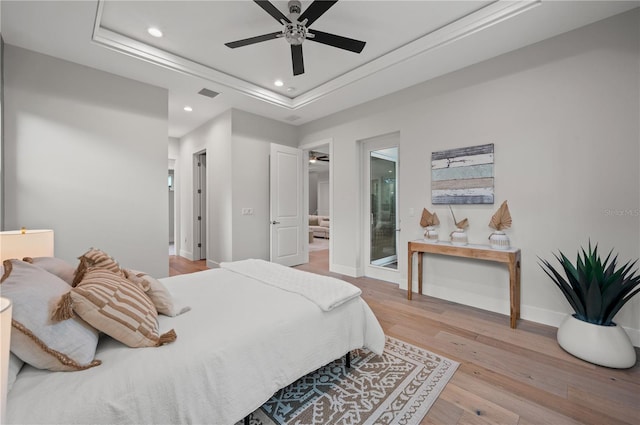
(15, 364)
(57, 266)
(157, 292)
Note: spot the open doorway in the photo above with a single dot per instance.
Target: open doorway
(380, 202)
(319, 211)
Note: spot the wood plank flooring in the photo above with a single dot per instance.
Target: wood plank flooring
(506, 376)
(180, 265)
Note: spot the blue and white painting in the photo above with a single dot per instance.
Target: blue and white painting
(462, 176)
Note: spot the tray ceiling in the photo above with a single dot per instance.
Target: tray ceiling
(407, 42)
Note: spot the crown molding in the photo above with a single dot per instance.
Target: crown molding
(475, 22)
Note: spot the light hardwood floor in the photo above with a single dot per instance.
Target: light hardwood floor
(506, 376)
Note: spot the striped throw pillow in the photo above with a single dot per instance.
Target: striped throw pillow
(120, 308)
(95, 258)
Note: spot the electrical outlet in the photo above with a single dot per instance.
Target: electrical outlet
(247, 211)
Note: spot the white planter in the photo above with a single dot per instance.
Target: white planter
(431, 234)
(459, 237)
(608, 346)
(499, 240)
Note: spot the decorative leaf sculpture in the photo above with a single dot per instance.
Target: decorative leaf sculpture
(595, 289)
(462, 224)
(502, 218)
(428, 219)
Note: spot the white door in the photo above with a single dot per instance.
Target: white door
(381, 221)
(287, 225)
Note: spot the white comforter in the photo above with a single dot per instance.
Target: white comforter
(324, 291)
(241, 341)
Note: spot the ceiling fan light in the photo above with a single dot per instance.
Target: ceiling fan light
(295, 33)
(295, 8)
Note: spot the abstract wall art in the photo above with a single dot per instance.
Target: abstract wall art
(462, 175)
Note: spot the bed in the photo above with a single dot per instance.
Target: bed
(244, 338)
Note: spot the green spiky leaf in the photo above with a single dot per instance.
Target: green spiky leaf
(595, 289)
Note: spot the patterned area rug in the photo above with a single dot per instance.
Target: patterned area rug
(398, 387)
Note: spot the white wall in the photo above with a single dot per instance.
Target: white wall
(252, 138)
(86, 155)
(324, 202)
(313, 192)
(215, 137)
(563, 115)
(238, 148)
(1, 131)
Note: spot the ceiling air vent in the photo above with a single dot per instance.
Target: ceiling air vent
(208, 93)
(292, 118)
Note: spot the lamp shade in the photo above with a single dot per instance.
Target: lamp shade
(5, 340)
(26, 243)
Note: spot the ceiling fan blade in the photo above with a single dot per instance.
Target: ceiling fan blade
(337, 41)
(272, 10)
(296, 59)
(253, 40)
(316, 10)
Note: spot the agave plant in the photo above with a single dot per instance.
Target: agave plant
(596, 289)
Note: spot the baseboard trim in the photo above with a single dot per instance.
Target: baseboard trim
(634, 335)
(531, 313)
(345, 270)
(186, 254)
(213, 264)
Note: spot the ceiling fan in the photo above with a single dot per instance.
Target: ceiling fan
(318, 156)
(296, 30)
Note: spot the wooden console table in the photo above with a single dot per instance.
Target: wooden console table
(481, 252)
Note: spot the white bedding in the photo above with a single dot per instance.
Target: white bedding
(241, 341)
(325, 291)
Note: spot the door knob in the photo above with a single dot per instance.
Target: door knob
(275, 222)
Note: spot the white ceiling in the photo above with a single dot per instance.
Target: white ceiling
(407, 42)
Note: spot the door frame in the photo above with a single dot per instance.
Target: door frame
(198, 231)
(389, 140)
(305, 171)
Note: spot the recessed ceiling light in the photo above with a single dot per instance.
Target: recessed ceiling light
(155, 32)
(291, 89)
(278, 83)
(188, 108)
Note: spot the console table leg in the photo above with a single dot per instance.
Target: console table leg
(518, 287)
(420, 255)
(514, 291)
(410, 276)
